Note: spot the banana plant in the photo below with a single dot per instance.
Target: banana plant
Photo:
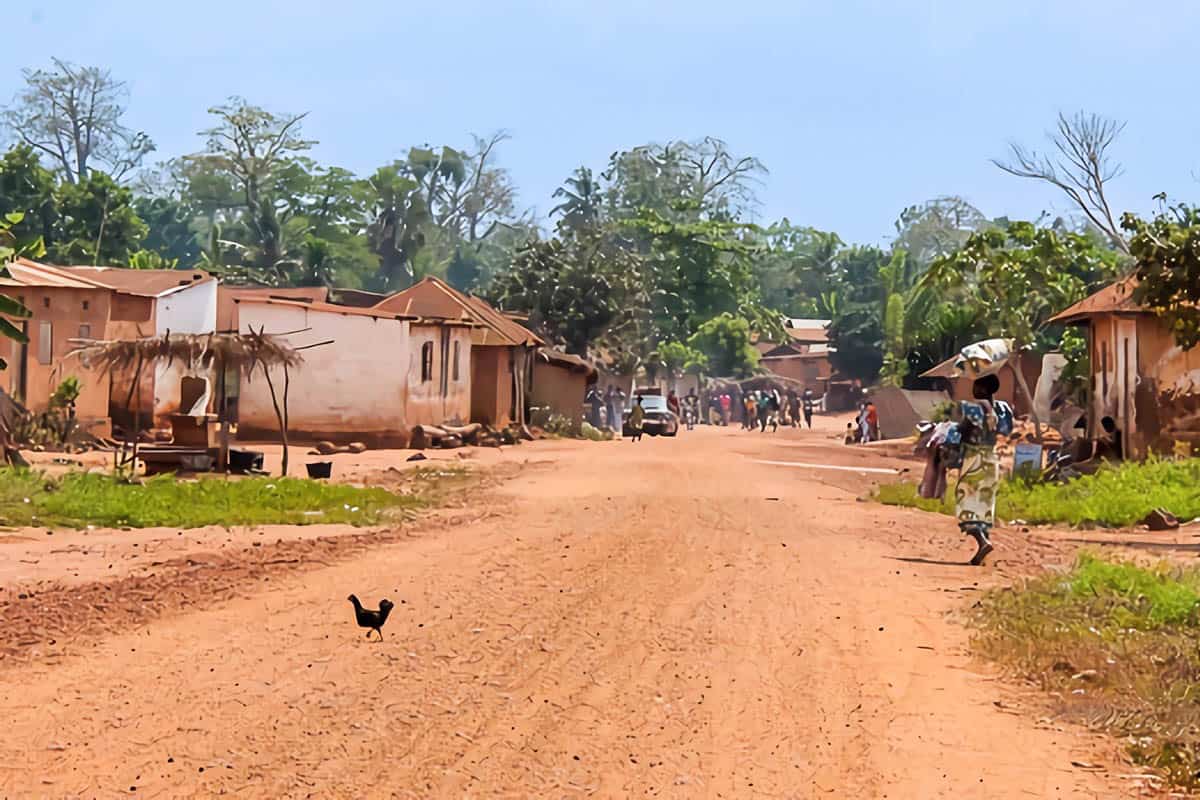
(10, 307)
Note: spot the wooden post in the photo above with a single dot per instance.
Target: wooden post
(223, 422)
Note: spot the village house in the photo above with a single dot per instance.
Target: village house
(368, 374)
(560, 382)
(1140, 378)
(959, 386)
(501, 348)
(73, 303)
(803, 357)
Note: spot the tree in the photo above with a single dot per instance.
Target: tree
(678, 358)
(725, 341)
(1020, 276)
(253, 150)
(796, 267)
(682, 180)
(1081, 169)
(169, 230)
(27, 188)
(581, 204)
(73, 115)
(1167, 254)
(856, 334)
(937, 228)
(398, 215)
(96, 222)
(577, 290)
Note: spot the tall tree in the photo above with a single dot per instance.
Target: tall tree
(937, 227)
(1079, 165)
(683, 180)
(169, 229)
(398, 215)
(72, 115)
(27, 188)
(253, 149)
(581, 202)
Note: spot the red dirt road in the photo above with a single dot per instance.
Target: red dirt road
(668, 619)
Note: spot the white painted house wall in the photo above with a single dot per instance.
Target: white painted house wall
(354, 387)
(189, 310)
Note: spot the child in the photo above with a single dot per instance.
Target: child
(849, 433)
(636, 417)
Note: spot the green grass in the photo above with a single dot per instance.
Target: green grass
(1118, 496)
(79, 499)
(1118, 645)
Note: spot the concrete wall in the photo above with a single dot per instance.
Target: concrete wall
(190, 310)
(61, 314)
(491, 385)
(446, 395)
(353, 388)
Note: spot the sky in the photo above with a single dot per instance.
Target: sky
(858, 108)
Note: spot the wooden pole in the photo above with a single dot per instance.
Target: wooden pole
(223, 422)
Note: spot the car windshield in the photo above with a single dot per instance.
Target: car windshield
(651, 402)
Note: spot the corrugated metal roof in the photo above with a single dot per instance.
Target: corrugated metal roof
(1112, 299)
(324, 308)
(137, 282)
(433, 297)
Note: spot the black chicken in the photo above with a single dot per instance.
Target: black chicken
(366, 618)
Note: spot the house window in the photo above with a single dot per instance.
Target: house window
(426, 362)
(46, 302)
(457, 349)
(86, 305)
(45, 342)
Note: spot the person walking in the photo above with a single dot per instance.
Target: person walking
(808, 408)
(726, 409)
(637, 418)
(764, 410)
(691, 408)
(595, 403)
(980, 422)
(794, 407)
(864, 432)
(751, 409)
(673, 403)
(610, 402)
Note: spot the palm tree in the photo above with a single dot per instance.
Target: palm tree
(580, 207)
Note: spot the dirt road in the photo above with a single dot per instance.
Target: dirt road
(668, 619)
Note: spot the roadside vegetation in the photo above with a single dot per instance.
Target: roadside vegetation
(1118, 647)
(78, 499)
(1118, 496)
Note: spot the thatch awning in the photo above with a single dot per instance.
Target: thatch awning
(217, 351)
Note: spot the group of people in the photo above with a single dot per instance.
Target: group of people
(865, 428)
(763, 408)
(606, 408)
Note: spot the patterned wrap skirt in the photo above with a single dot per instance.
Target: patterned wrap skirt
(975, 492)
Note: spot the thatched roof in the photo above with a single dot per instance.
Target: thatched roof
(243, 351)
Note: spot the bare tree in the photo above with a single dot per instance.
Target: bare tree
(73, 115)
(1080, 167)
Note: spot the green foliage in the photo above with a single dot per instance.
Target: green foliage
(66, 393)
(1167, 254)
(80, 499)
(1141, 597)
(11, 308)
(677, 358)
(1116, 496)
(169, 230)
(1019, 275)
(725, 341)
(96, 223)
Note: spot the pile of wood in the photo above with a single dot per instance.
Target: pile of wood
(447, 437)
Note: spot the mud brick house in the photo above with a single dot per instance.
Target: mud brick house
(371, 374)
(501, 348)
(803, 357)
(71, 303)
(1140, 377)
(560, 382)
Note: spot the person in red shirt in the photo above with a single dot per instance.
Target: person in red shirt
(872, 422)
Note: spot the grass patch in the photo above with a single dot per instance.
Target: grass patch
(1118, 645)
(1117, 496)
(78, 499)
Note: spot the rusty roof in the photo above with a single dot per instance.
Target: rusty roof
(433, 297)
(567, 361)
(326, 308)
(137, 282)
(1116, 298)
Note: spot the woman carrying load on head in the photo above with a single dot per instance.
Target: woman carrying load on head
(980, 422)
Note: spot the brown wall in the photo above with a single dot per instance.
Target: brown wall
(812, 372)
(1010, 392)
(491, 385)
(426, 402)
(63, 309)
(558, 388)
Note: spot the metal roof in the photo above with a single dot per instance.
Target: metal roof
(1116, 298)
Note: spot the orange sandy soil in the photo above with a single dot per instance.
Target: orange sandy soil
(669, 618)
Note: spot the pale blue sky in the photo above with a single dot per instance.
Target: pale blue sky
(857, 107)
